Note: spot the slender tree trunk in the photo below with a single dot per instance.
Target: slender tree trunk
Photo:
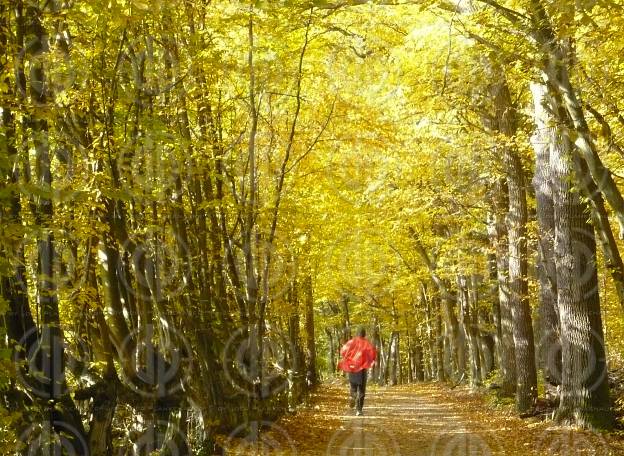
(473, 327)
(418, 360)
(455, 339)
(297, 374)
(411, 367)
(440, 372)
(497, 336)
(487, 345)
(431, 333)
(394, 360)
(346, 320)
(499, 236)
(377, 345)
(332, 350)
(517, 217)
(312, 376)
(61, 409)
(469, 330)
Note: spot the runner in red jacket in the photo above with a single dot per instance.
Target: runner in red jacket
(358, 355)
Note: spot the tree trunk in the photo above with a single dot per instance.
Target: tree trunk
(411, 365)
(465, 320)
(346, 320)
(584, 391)
(296, 374)
(550, 344)
(394, 358)
(499, 236)
(50, 352)
(454, 337)
(418, 360)
(496, 310)
(472, 304)
(377, 344)
(332, 350)
(312, 377)
(517, 217)
(431, 333)
(557, 58)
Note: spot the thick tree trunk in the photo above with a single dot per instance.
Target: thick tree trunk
(557, 62)
(584, 391)
(595, 179)
(550, 344)
(526, 382)
(19, 320)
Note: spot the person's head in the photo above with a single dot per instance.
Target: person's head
(361, 332)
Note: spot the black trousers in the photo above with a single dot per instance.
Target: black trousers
(358, 388)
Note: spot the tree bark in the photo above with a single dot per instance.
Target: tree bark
(550, 344)
(50, 352)
(312, 376)
(456, 341)
(499, 238)
(332, 350)
(517, 218)
(468, 330)
(584, 391)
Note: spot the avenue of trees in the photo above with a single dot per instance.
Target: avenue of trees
(200, 201)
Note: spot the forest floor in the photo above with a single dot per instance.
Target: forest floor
(417, 420)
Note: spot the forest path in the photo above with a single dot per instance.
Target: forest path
(415, 420)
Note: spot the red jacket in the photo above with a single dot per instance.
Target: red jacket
(357, 354)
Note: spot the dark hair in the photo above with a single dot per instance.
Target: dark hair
(361, 332)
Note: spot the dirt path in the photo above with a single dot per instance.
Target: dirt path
(415, 420)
